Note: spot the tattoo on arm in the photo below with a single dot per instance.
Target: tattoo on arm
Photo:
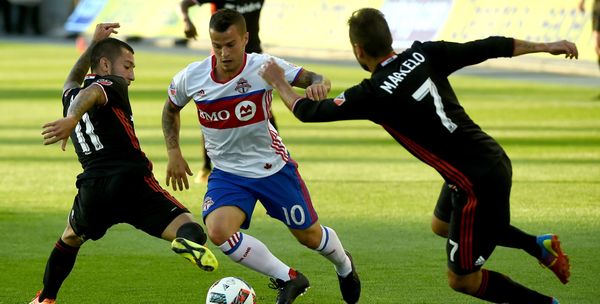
(79, 70)
(85, 100)
(306, 78)
(170, 125)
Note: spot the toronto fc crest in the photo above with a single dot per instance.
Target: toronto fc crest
(242, 86)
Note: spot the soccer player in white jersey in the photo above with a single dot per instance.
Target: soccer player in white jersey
(250, 160)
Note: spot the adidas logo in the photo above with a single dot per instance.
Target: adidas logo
(480, 261)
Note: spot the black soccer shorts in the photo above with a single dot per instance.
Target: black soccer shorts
(479, 216)
(130, 198)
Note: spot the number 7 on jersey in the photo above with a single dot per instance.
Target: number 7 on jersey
(429, 87)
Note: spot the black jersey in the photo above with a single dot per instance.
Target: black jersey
(250, 9)
(410, 96)
(104, 138)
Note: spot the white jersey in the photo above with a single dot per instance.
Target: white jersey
(234, 115)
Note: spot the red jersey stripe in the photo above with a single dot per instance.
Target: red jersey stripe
(128, 128)
(153, 183)
(306, 194)
(468, 214)
(484, 282)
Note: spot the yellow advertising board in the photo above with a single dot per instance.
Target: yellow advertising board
(150, 18)
(313, 24)
(319, 28)
(535, 20)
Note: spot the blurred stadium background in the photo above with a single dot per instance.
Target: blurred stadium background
(317, 28)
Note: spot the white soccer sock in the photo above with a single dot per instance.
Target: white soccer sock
(252, 253)
(332, 249)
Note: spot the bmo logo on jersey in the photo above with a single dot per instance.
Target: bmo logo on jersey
(214, 116)
(232, 113)
(245, 110)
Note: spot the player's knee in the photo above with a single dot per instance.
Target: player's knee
(192, 231)
(456, 282)
(310, 241)
(70, 238)
(443, 232)
(223, 222)
(439, 227)
(462, 283)
(219, 234)
(310, 237)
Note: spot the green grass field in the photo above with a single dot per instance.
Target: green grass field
(377, 196)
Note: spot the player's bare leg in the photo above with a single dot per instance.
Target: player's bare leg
(439, 227)
(223, 225)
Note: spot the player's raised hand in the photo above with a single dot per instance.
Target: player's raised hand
(569, 49)
(58, 130)
(103, 31)
(189, 29)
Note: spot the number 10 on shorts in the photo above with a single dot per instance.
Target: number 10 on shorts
(294, 216)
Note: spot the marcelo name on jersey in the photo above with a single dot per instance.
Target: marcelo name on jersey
(405, 68)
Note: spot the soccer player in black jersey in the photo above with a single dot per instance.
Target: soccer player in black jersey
(410, 96)
(250, 9)
(117, 184)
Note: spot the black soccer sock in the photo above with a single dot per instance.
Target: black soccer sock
(513, 237)
(59, 265)
(192, 231)
(498, 288)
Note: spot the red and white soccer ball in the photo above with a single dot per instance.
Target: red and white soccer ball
(230, 290)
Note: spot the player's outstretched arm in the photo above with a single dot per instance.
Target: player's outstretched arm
(274, 76)
(189, 28)
(177, 167)
(316, 85)
(562, 47)
(81, 67)
(61, 129)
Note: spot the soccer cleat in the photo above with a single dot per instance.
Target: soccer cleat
(36, 300)
(555, 301)
(553, 257)
(195, 253)
(350, 285)
(290, 290)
